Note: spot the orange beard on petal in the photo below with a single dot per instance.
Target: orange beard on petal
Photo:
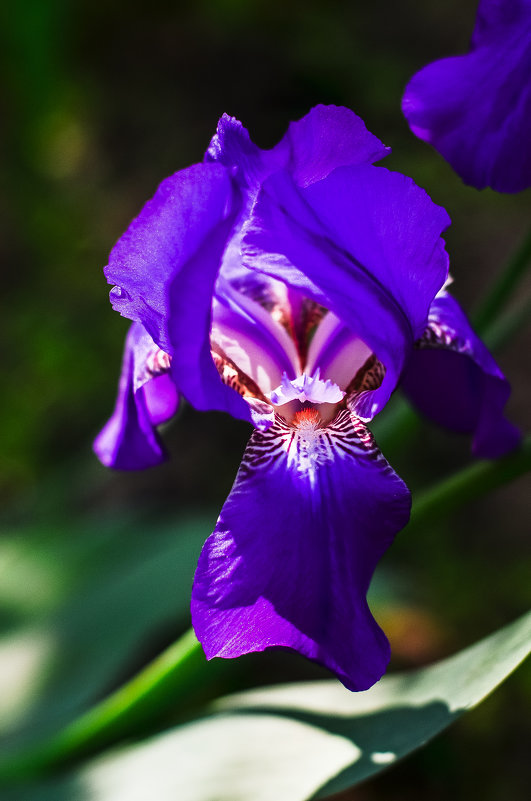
(306, 418)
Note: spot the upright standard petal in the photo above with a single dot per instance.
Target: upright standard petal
(289, 564)
(232, 146)
(325, 138)
(476, 109)
(180, 224)
(147, 397)
(165, 267)
(365, 243)
(453, 379)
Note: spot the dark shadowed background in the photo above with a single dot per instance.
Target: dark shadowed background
(101, 102)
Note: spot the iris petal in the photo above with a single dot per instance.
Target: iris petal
(295, 547)
(365, 243)
(129, 440)
(165, 267)
(453, 379)
(172, 228)
(338, 352)
(475, 109)
(252, 339)
(325, 138)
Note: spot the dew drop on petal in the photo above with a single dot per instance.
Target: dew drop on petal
(118, 293)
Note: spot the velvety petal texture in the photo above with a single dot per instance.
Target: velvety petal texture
(326, 138)
(189, 323)
(365, 243)
(259, 345)
(476, 109)
(147, 397)
(177, 226)
(453, 380)
(165, 267)
(290, 561)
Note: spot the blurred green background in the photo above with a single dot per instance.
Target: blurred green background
(101, 102)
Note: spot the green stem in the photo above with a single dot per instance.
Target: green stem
(396, 426)
(504, 327)
(182, 667)
(502, 289)
(170, 676)
(470, 483)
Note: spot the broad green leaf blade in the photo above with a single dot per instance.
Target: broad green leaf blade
(401, 712)
(298, 741)
(59, 663)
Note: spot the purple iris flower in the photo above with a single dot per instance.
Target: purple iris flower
(294, 288)
(476, 109)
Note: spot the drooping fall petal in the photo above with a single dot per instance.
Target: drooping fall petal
(290, 561)
(454, 380)
(147, 397)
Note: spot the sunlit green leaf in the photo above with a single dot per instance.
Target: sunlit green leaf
(298, 741)
(123, 597)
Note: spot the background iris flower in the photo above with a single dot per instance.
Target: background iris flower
(475, 109)
(294, 288)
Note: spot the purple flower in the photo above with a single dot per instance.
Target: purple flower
(476, 109)
(293, 288)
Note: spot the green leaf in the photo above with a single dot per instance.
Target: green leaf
(131, 586)
(298, 741)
